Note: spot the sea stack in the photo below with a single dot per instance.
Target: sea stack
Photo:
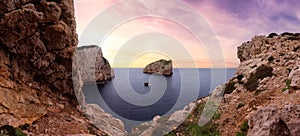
(95, 68)
(163, 67)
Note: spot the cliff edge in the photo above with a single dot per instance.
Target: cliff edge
(262, 98)
(264, 89)
(37, 41)
(92, 60)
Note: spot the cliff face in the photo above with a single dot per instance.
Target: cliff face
(36, 46)
(266, 87)
(162, 66)
(263, 97)
(89, 66)
(37, 41)
(94, 67)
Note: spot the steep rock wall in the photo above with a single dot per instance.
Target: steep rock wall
(37, 41)
(92, 60)
(268, 76)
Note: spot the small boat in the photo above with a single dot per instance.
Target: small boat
(146, 83)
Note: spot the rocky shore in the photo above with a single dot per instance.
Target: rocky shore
(263, 97)
(38, 96)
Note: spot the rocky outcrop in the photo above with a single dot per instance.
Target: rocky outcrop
(37, 40)
(272, 121)
(266, 81)
(294, 77)
(94, 67)
(83, 62)
(276, 47)
(162, 125)
(162, 66)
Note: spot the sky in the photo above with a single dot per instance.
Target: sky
(185, 31)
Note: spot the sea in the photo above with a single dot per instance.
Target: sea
(127, 98)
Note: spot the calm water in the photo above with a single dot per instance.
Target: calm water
(127, 98)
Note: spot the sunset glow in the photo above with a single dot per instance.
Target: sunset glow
(233, 22)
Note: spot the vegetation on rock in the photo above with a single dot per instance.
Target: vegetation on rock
(261, 72)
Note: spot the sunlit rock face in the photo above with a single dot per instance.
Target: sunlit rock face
(93, 66)
(163, 67)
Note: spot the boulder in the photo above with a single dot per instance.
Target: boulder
(163, 67)
(294, 76)
(272, 121)
(104, 121)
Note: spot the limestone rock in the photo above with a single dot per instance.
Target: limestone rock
(105, 121)
(269, 65)
(272, 121)
(162, 66)
(93, 66)
(37, 41)
(294, 76)
(162, 125)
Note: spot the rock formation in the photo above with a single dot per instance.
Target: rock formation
(263, 98)
(37, 41)
(163, 125)
(272, 121)
(162, 66)
(94, 67)
(266, 81)
(89, 66)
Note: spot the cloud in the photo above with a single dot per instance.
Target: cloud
(234, 22)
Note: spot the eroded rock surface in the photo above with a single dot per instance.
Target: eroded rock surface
(90, 66)
(272, 121)
(162, 66)
(37, 41)
(94, 67)
(265, 82)
(36, 46)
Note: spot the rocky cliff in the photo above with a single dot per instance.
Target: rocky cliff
(265, 88)
(37, 41)
(93, 60)
(263, 97)
(89, 66)
(162, 66)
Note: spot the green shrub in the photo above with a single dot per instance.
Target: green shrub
(271, 35)
(217, 115)
(244, 126)
(19, 132)
(261, 72)
(229, 87)
(241, 134)
(287, 34)
(258, 91)
(11, 131)
(288, 83)
(240, 105)
(206, 130)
